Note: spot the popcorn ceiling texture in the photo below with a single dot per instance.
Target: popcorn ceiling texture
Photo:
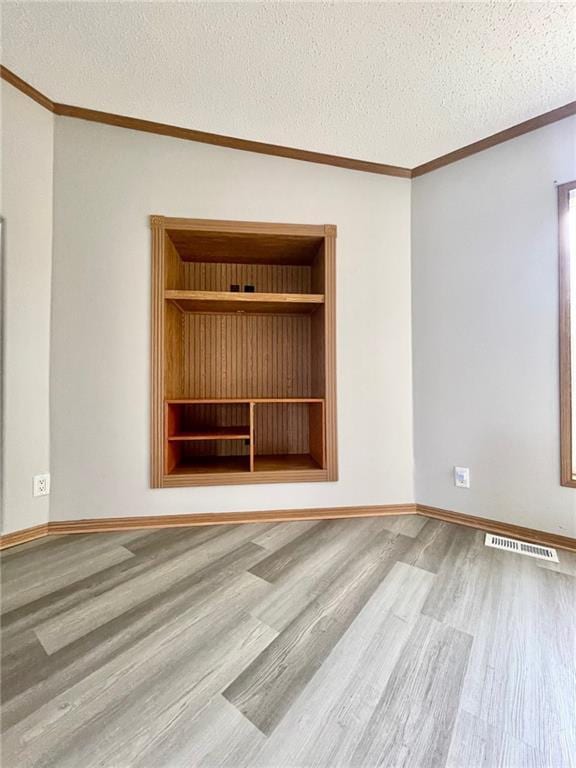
(397, 83)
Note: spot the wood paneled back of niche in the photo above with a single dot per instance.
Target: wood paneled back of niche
(266, 278)
(281, 428)
(216, 448)
(198, 416)
(246, 355)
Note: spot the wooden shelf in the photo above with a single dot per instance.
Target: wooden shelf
(224, 301)
(288, 462)
(239, 400)
(200, 465)
(285, 462)
(214, 433)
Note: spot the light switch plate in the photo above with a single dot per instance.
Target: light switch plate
(462, 477)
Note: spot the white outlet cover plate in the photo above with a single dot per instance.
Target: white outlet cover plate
(41, 485)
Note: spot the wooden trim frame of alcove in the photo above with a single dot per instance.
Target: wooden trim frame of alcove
(329, 472)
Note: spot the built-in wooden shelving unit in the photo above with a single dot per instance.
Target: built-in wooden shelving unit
(243, 353)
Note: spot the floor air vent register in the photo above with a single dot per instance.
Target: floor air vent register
(521, 547)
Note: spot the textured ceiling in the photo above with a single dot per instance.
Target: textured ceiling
(397, 83)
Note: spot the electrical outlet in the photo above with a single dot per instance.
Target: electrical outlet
(41, 485)
(462, 477)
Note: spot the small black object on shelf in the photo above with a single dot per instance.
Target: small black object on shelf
(248, 289)
(235, 288)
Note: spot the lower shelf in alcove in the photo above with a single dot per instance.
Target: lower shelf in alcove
(200, 465)
(282, 462)
(285, 462)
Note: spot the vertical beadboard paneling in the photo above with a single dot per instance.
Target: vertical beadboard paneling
(197, 416)
(266, 278)
(281, 428)
(246, 355)
(250, 355)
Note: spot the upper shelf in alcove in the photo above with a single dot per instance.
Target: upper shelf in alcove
(223, 301)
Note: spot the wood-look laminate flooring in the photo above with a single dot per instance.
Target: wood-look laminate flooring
(394, 641)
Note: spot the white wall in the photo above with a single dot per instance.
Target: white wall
(27, 175)
(485, 331)
(107, 183)
(484, 301)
